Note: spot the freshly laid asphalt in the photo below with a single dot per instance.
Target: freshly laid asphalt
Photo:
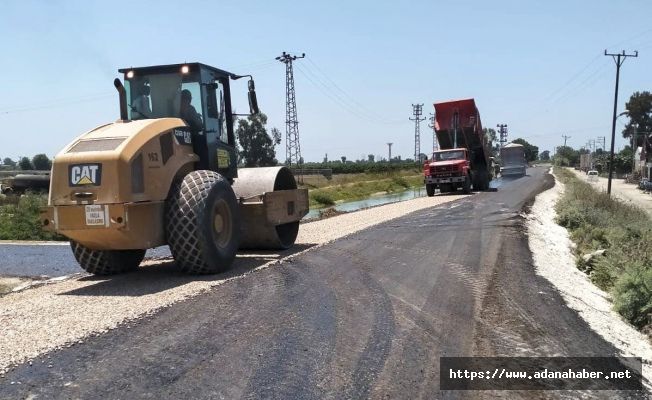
(367, 315)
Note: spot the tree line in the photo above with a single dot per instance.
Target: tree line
(40, 162)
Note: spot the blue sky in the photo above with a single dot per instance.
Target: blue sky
(536, 66)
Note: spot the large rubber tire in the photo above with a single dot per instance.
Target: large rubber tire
(481, 180)
(430, 190)
(466, 189)
(106, 262)
(202, 223)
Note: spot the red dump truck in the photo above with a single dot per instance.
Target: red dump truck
(464, 158)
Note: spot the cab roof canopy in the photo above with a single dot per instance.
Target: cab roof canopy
(176, 68)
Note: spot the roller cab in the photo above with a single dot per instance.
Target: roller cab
(166, 173)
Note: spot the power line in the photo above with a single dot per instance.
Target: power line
(55, 103)
(619, 59)
(562, 87)
(347, 102)
(336, 98)
(589, 81)
(352, 99)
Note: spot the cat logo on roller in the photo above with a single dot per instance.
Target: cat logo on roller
(85, 174)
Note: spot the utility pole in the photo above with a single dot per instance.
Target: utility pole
(502, 129)
(602, 140)
(565, 139)
(389, 145)
(416, 111)
(434, 133)
(292, 145)
(619, 59)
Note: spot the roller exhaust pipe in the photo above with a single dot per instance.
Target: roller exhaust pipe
(122, 94)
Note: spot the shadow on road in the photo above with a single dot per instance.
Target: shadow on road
(162, 274)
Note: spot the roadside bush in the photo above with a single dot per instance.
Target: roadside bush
(634, 300)
(596, 221)
(400, 181)
(19, 219)
(322, 198)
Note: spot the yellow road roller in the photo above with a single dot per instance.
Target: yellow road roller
(166, 173)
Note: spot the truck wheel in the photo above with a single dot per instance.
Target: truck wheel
(430, 190)
(202, 223)
(466, 189)
(481, 180)
(106, 262)
(485, 180)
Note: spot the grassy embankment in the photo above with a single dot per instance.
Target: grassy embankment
(19, 218)
(358, 186)
(595, 222)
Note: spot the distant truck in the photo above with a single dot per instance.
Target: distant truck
(512, 159)
(464, 158)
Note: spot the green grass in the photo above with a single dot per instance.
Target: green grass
(19, 218)
(596, 221)
(363, 186)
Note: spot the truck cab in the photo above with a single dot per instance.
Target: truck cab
(448, 170)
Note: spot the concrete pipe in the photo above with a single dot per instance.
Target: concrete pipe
(258, 232)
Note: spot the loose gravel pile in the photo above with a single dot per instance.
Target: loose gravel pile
(551, 251)
(62, 314)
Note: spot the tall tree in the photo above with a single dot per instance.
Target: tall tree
(544, 155)
(8, 161)
(639, 111)
(25, 164)
(41, 162)
(531, 151)
(490, 133)
(256, 146)
(566, 155)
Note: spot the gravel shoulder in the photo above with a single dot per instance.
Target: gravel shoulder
(63, 313)
(552, 253)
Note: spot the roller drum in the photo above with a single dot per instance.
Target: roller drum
(257, 232)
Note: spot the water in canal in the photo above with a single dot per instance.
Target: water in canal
(386, 199)
(371, 201)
